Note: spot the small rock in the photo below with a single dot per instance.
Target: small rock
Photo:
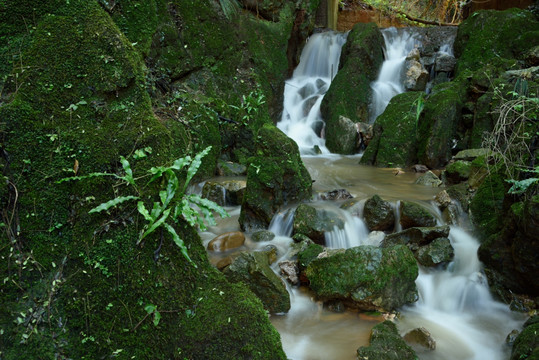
(223, 263)
(416, 76)
(429, 179)
(422, 337)
(471, 154)
(415, 215)
(290, 271)
(418, 168)
(227, 241)
(378, 214)
(437, 252)
(445, 63)
(271, 252)
(339, 194)
(443, 199)
(511, 337)
(262, 236)
(366, 134)
(228, 168)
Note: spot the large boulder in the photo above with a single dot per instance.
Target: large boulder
(314, 223)
(349, 93)
(395, 141)
(365, 277)
(253, 270)
(378, 214)
(275, 177)
(386, 344)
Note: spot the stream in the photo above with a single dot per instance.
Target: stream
(454, 304)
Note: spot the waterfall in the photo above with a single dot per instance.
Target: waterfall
(303, 93)
(455, 305)
(398, 45)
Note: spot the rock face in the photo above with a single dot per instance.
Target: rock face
(365, 277)
(275, 177)
(386, 344)
(349, 93)
(253, 270)
(378, 214)
(394, 141)
(415, 215)
(314, 223)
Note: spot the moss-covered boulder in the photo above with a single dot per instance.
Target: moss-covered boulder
(314, 223)
(437, 252)
(495, 37)
(349, 94)
(394, 143)
(438, 124)
(366, 277)
(416, 236)
(378, 214)
(526, 345)
(253, 270)
(415, 215)
(458, 171)
(386, 344)
(275, 177)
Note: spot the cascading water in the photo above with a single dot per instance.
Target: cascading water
(398, 44)
(303, 93)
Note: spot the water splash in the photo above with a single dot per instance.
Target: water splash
(303, 93)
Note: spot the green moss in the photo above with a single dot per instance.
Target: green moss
(394, 142)
(526, 345)
(386, 344)
(487, 205)
(459, 170)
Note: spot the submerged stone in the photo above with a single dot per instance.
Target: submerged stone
(421, 337)
(227, 241)
(429, 179)
(223, 193)
(386, 344)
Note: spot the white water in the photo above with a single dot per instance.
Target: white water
(303, 93)
(398, 45)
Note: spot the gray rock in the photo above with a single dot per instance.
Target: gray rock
(416, 237)
(262, 235)
(421, 337)
(378, 214)
(339, 194)
(437, 252)
(429, 179)
(415, 215)
(228, 168)
(228, 192)
(445, 63)
(314, 223)
(471, 154)
(290, 270)
(442, 199)
(416, 76)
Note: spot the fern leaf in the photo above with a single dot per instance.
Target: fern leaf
(193, 167)
(156, 224)
(92, 175)
(208, 204)
(178, 241)
(112, 203)
(128, 172)
(143, 211)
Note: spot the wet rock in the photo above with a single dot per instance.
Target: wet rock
(386, 344)
(365, 277)
(418, 168)
(314, 223)
(308, 253)
(442, 199)
(526, 345)
(416, 237)
(229, 168)
(416, 76)
(290, 271)
(335, 306)
(262, 235)
(275, 177)
(394, 142)
(437, 252)
(271, 252)
(445, 63)
(253, 270)
(471, 154)
(511, 337)
(415, 215)
(458, 171)
(229, 192)
(349, 137)
(366, 133)
(429, 179)
(227, 241)
(340, 194)
(378, 214)
(422, 337)
(349, 94)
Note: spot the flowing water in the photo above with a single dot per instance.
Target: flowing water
(454, 303)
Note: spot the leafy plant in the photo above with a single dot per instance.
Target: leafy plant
(250, 105)
(173, 201)
(230, 8)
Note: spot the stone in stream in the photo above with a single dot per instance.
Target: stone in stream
(229, 192)
(416, 76)
(413, 215)
(290, 270)
(227, 241)
(338, 194)
(365, 277)
(314, 223)
(437, 252)
(386, 344)
(429, 179)
(421, 337)
(262, 235)
(253, 270)
(378, 214)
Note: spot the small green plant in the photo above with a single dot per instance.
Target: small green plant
(419, 105)
(250, 105)
(230, 8)
(173, 201)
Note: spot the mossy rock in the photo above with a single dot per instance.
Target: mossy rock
(438, 124)
(437, 252)
(415, 215)
(378, 214)
(366, 277)
(349, 94)
(275, 177)
(458, 171)
(314, 223)
(526, 345)
(394, 143)
(416, 237)
(489, 37)
(386, 344)
(486, 207)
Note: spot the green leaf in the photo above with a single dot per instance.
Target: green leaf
(143, 211)
(156, 317)
(181, 163)
(150, 308)
(128, 172)
(156, 224)
(520, 186)
(193, 167)
(92, 175)
(208, 204)
(179, 242)
(112, 203)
